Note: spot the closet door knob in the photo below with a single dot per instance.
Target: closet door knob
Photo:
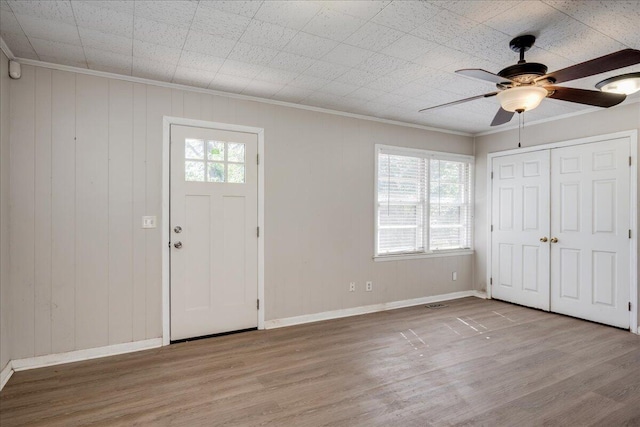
(554, 240)
(544, 239)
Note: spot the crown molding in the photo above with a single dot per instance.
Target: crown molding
(6, 50)
(105, 74)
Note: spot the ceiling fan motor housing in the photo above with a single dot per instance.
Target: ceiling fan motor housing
(524, 73)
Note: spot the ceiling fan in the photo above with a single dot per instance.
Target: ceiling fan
(521, 87)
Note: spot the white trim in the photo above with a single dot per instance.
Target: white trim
(628, 101)
(355, 311)
(10, 55)
(6, 373)
(632, 134)
(423, 154)
(633, 184)
(633, 221)
(105, 74)
(166, 264)
(79, 355)
(440, 254)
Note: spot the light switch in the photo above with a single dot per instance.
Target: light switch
(148, 222)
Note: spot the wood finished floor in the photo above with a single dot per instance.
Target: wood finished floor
(474, 362)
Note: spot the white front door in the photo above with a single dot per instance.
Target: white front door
(214, 220)
(520, 216)
(591, 222)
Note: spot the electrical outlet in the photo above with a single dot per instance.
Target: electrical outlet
(369, 287)
(454, 276)
(352, 287)
(148, 222)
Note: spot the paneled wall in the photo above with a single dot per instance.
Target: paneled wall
(86, 165)
(616, 119)
(5, 304)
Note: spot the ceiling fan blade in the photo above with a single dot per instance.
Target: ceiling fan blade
(613, 61)
(583, 96)
(502, 116)
(477, 73)
(449, 104)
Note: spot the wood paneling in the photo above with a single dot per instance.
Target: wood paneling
(87, 161)
(42, 200)
(139, 187)
(22, 212)
(471, 362)
(121, 220)
(63, 212)
(158, 106)
(92, 211)
(6, 307)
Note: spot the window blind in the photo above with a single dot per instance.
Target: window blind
(423, 202)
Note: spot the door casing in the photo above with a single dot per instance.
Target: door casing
(165, 224)
(633, 199)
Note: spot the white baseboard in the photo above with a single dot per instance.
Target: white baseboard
(5, 374)
(78, 355)
(355, 311)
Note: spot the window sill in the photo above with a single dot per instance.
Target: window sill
(400, 257)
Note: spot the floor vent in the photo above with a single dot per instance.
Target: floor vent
(435, 305)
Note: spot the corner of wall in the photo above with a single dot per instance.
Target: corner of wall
(5, 306)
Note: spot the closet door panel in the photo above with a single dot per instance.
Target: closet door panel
(520, 217)
(590, 219)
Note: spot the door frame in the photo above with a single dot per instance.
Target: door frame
(167, 121)
(633, 198)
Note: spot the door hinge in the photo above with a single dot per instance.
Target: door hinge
(629, 305)
(629, 233)
(491, 174)
(629, 160)
(491, 227)
(258, 231)
(491, 280)
(257, 159)
(258, 304)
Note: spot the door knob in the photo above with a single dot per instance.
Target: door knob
(554, 240)
(177, 245)
(544, 239)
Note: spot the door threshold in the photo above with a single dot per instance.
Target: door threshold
(221, 334)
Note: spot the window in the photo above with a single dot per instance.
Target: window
(423, 202)
(219, 162)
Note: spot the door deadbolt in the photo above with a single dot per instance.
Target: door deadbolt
(177, 245)
(177, 229)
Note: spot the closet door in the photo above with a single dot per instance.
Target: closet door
(520, 217)
(591, 222)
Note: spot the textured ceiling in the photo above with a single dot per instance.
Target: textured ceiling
(385, 59)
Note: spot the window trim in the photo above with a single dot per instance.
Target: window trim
(425, 154)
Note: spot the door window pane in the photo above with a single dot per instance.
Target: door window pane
(194, 149)
(236, 152)
(236, 173)
(215, 172)
(194, 171)
(215, 150)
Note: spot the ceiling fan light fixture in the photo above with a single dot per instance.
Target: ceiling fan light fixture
(521, 98)
(625, 84)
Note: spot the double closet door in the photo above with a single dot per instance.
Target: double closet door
(560, 230)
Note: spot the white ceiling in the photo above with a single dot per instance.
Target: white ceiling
(386, 59)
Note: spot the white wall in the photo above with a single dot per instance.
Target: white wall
(86, 166)
(5, 305)
(616, 119)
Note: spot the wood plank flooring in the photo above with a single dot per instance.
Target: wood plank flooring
(473, 362)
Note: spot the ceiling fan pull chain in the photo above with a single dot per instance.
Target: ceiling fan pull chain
(519, 129)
